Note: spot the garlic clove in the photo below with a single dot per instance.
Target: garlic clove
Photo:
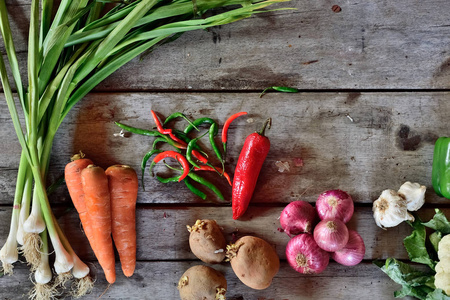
(390, 209)
(414, 194)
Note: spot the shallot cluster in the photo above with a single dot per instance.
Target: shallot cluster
(313, 244)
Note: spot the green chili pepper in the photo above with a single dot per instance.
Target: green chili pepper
(186, 181)
(441, 167)
(144, 163)
(193, 189)
(213, 130)
(194, 177)
(198, 122)
(179, 115)
(282, 89)
(206, 183)
(189, 149)
(168, 180)
(139, 130)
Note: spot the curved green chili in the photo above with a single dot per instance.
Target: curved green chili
(283, 89)
(190, 148)
(206, 183)
(213, 130)
(183, 136)
(139, 130)
(193, 189)
(144, 163)
(198, 122)
(168, 180)
(178, 115)
(186, 181)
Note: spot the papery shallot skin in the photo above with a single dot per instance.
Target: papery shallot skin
(331, 235)
(352, 253)
(305, 256)
(335, 204)
(298, 217)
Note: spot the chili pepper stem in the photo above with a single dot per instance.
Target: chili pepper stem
(267, 124)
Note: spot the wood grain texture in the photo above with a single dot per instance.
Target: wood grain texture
(368, 45)
(390, 141)
(162, 233)
(158, 280)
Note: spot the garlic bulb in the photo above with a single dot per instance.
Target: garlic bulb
(390, 209)
(414, 194)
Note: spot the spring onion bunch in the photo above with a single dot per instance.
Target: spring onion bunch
(69, 53)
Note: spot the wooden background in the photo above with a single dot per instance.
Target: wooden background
(374, 82)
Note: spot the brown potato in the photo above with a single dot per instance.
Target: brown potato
(254, 261)
(207, 241)
(202, 283)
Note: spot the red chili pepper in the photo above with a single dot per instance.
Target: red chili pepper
(248, 167)
(199, 156)
(163, 130)
(215, 169)
(225, 129)
(180, 158)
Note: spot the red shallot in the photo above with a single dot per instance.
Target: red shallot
(331, 235)
(297, 217)
(304, 256)
(335, 204)
(352, 253)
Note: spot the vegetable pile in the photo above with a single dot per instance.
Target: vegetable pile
(253, 260)
(106, 204)
(250, 162)
(309, 251)
(430, 279)
(69, 53)
(194, 158)
(392, 207)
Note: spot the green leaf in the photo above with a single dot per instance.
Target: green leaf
(104, 72)
(439, 222)
(112, 39)
(53, 45)
(415, 245)
(414, 282)
(11, 52)
(435, 238)
(183, 8)
(46, 17)
(437, 294)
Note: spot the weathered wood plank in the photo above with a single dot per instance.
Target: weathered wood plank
(158, 280)
(162, 233)
(362, 143)
(376, 45)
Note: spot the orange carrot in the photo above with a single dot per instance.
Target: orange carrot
(72, 175)
(97, 198)
(123, 188)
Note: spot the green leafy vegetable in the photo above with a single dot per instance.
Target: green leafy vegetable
(439, 223)
(435, 238)
(414, 282)
(415, 245)
(419, 281)
(437, 294)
